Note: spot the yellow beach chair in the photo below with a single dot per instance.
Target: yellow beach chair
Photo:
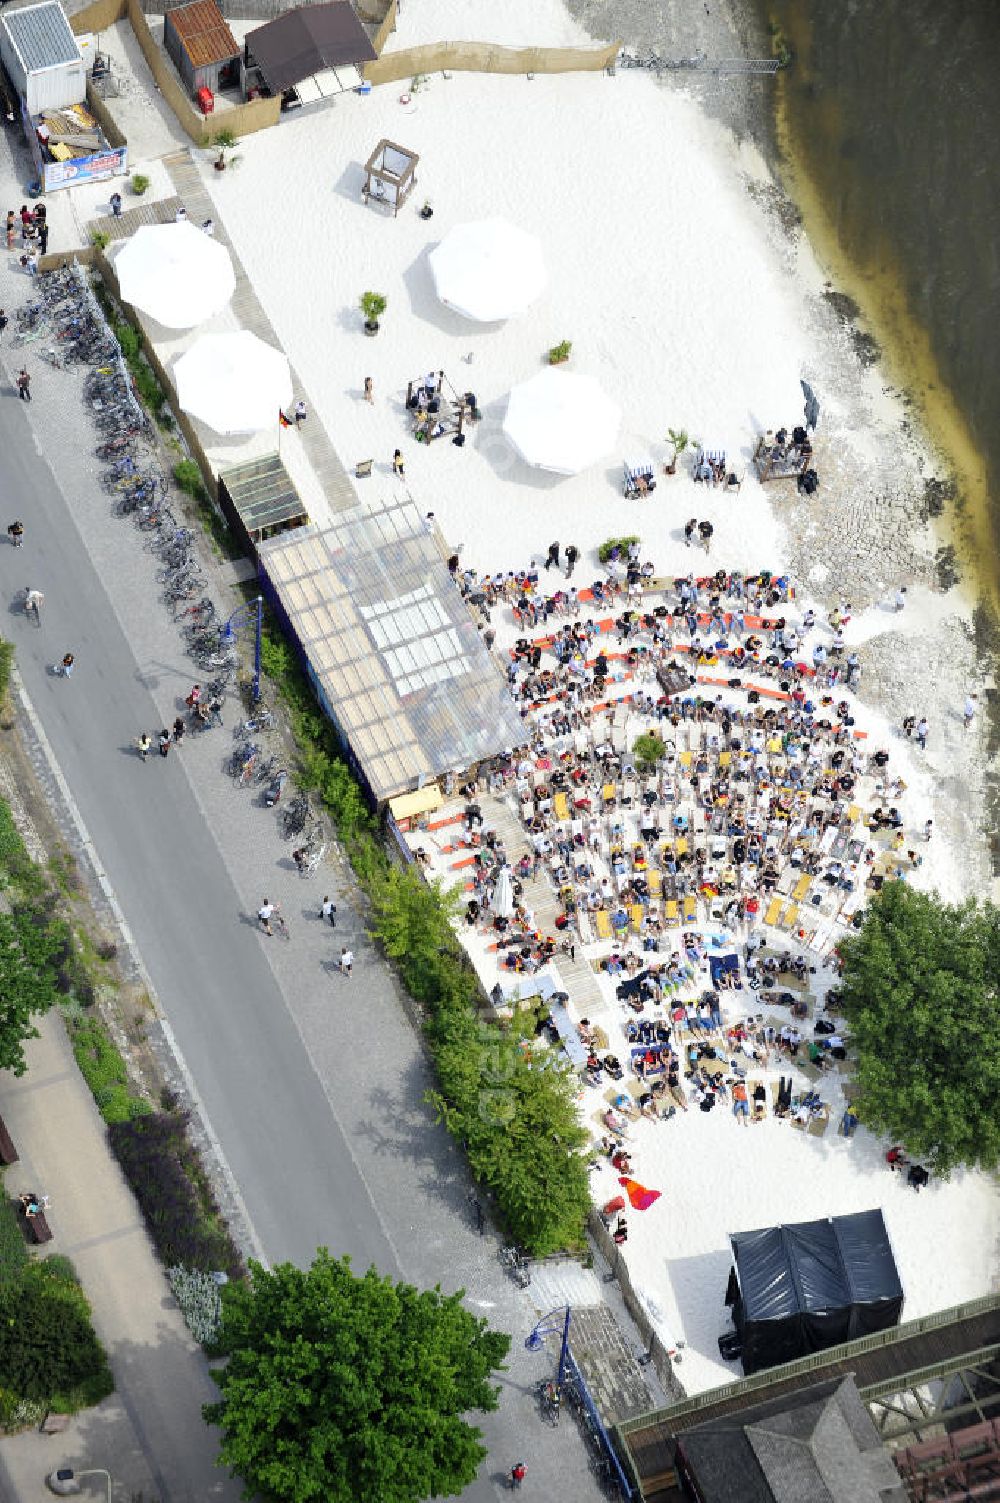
(690, 910)
(655, 881)
(602, 923)
(671, 912)
(725, 758)
(790, 917)
(636, 915)
(561, 806)
(685, 759)
(609, 793)
(801, 888)
(773, 911)
(681, 846)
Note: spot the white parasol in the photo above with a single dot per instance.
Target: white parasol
(562, 422)
(488, 270)
(175, 273)
(233, 382)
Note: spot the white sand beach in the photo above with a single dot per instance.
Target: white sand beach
(682, 296)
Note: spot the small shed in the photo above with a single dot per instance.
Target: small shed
(203, 49)
(42, 57)
(390, 175)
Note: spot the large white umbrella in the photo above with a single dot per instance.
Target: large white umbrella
(488, 270)
(502, 901)
(176, 273)
(562, 422)
(233, 382)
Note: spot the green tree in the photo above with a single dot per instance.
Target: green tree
(920, 983)
(31, 945)
(341, 1387)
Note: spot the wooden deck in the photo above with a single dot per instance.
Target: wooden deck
(130, 220)
(878, 1370)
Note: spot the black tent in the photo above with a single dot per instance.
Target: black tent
(798, 1289)
(303, 42)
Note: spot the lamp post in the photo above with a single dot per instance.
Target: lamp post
(536, 1339)
(65, 1482)
(232, 626)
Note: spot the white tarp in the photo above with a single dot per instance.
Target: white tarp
(488, 270)
(502, 901)
(562, 422)
(233, 382)
(175, 273)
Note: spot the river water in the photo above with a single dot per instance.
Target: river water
(887, 121)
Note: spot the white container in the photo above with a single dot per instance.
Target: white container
(42, 56)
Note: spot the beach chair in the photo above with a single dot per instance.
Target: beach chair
(690, 910)
(773, 912)
(802, 887)
(655, 880)
(609, 794)
(602, 923)
(681, 846)
(725, 758)
(583, 927)
(685, 760)
(671, 912)
(636, 916)
(560, 805)
(790, 917)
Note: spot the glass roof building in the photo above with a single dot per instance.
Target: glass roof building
(394, 656)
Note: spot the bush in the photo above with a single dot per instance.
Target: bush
(100, 238)
(197, 1295)
(6, 663)
(163, 1170)
(373, 305)
(14, 1255)
(560, 352)
(105, 1072)
(605, 550)
(60, 1268)
(47, 1342)
(140, 182)
(188, 477)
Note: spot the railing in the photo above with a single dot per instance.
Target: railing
(625, 1484)
(803, 1365)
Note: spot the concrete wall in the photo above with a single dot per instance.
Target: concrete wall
(486, 57)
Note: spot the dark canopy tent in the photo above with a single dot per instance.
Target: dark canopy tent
(798, 1289)
(304, 42)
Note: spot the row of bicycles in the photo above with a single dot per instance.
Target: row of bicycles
(65, 321)
(658, 64)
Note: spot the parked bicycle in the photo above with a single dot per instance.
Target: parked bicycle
(513, 1260)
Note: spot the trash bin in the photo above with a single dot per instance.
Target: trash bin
(206, 101)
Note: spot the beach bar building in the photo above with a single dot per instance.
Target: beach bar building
(308, 54)
(201, 46)
(390, 648)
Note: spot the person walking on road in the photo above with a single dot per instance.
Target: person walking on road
(518, 1472)
(346, 961)
(143, 746)
(116, 205)
(24, 386)
(552, 557)
(16, 534)
(572, 555)
(33, 602)
(969, 711)
(265, 913)
(179, 730)
(922, 731)
(397, 465)
(4, 321)
(163, 741)
(928, 829)
(328, 911)
(65, 668)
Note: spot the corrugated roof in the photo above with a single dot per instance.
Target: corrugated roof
(306, 41)
(42, 36)
(202, 31)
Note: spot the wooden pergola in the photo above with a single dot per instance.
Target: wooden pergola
(390, 175)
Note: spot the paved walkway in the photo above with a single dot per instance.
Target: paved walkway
(149, 1434)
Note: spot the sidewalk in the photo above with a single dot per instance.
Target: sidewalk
(149, 1434)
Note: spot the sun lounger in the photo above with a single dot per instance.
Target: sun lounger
(655, 881)
(681, 846)
(602, 923)
(690, 910)
(790, 917)
(560, 805)
(802, 887)
(636, 916)
(671, 912)
(773, 911)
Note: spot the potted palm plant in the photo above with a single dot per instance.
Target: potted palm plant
(678, 440)
(372, 306)
(225, 141)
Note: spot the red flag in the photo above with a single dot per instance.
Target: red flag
(283, 422)
(640, 1197)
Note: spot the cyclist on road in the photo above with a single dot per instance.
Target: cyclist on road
(33, 601)
(16, 533)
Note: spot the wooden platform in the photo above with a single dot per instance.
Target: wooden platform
(121, 226)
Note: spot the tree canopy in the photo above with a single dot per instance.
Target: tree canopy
(920, 984)
(31, 945)
(341, 1387)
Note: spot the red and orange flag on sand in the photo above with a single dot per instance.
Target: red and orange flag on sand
(640, 1197)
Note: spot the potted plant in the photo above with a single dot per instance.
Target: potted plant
(140, 182)
(559, 353)
(372, 306)
(679, 441)
(225, 141)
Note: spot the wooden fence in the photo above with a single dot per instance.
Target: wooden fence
(487, 57)
(661, 1359)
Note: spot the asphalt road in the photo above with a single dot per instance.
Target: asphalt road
(262, 1094)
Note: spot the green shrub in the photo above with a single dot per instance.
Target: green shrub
(60, 1268)
(560, 352)
(14, 1255)
(140, 182)
(605, 550)
(6, 663)
(188, 477)
(105, 1072)
(47, 1342)
(100, 238)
